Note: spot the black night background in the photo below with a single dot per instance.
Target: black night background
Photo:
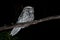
(10, 11)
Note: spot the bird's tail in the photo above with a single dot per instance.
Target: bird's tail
(15, 30)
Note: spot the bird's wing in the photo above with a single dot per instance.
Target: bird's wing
(26, 16)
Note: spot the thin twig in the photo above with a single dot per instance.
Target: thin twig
(30, 23)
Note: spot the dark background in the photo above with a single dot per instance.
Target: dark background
(10, 10)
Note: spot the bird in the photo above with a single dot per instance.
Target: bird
(27, 15)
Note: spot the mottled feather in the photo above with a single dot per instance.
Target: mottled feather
(27, 15)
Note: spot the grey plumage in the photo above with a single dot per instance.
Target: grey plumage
(27, 15)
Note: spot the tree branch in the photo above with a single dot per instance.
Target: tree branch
(29, 23)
